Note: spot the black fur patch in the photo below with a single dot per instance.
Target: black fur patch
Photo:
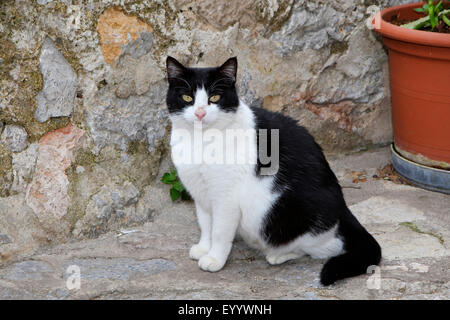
(311, 200)
(311, 197)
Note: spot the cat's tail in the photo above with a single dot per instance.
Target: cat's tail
(361, 251)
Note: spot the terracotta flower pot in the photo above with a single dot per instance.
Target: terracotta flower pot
(419, 66)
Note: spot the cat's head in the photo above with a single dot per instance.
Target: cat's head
(205, 95)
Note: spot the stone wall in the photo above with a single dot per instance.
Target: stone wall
(83, 124)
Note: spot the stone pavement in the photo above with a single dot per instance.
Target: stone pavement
(151, 261)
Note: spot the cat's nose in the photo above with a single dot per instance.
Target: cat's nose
(200, 113)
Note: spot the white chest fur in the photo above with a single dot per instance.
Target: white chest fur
(233, 179)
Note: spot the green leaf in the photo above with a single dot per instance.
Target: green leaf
(178, 186)
(425, 7)
(167, 178)
(174, 194)
(446, 20)
(178, 190)
(438, 8)
(419, 9)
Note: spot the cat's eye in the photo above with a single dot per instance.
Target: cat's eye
(187, 98)
(214, 98)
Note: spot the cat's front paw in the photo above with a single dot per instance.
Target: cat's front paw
(197, 251)
(210, 263)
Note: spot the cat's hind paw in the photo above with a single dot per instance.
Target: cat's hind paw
(197, 251)
(275, 259)
(209, 263)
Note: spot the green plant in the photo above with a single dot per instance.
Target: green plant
(435, 12)
(178, 190)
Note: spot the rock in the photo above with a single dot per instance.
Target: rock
(111, 208)
(310, 25)
(138, 47)
(47, 194)
(118, 268)
(120, 121)
(15, 138)
(135, 76)
(119, 33)
(419, 245)
(60, 83)
(224, 14)
(359, 71)
(16, 294)
(20, 230)
(79, 169)
(23, 164)
(373, 210)
(4, 239)
(29, 270)
(125, 196)
(246, 93)
(249, 14)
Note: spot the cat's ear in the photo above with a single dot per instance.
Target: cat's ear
(174, 68)
(229, 69)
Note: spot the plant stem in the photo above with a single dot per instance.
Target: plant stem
(419, 23)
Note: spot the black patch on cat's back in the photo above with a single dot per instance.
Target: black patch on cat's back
(310, 198)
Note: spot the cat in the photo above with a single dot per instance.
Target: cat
(298, 210)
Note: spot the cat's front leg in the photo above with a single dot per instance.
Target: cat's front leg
(204, 221)
(225, 221)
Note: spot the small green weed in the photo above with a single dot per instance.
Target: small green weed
(178, 190)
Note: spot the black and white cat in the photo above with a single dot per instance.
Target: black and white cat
(297, 210)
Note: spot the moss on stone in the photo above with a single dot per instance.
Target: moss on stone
(58, 6)
(78, 197)
(5, 170)
(62, 45)
(84, 157)
(150, 8)
(338, 47)
(20, 110)
(148, 162)
(369, 3)
(280, 16)
(7, 55)
(138, 146)
(415, 228)
(5, 160)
